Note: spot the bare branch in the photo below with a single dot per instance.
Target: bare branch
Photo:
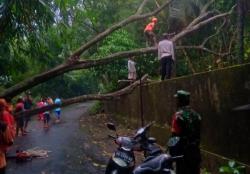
(157, 4)
(200, 18)
(189, 61)
(232, 40)
(203, 15)
(115, 27)
(83, 98)
(215, 34)
(139, 10)
(204, 9)
(200, 47)
(201, 24)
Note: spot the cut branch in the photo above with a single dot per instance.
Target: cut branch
(83, 98)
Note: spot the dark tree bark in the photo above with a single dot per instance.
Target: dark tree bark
(240, 27)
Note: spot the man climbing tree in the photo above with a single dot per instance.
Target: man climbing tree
(149, 33)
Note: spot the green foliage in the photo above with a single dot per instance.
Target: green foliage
(96, 108)
(232, 168)
(38, 35)
(109, 74)
(204, 171)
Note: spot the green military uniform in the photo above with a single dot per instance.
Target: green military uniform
(186, 125)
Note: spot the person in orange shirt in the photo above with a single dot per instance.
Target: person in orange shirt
(149, 32)
(6, 133)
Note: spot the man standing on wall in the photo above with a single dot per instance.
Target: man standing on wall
(186, 126)
(166, 56)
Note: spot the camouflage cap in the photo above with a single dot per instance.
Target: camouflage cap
(182, 93)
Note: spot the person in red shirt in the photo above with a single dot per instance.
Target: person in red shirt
(40, 104)
(6, 134)
(149, 32)
(19, 119)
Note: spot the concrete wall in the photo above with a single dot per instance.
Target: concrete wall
(213, 94)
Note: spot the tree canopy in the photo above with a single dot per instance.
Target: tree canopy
(40, 36)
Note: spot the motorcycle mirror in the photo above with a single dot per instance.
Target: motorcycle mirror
(111, 126)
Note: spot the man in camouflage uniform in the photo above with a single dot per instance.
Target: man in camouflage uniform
(186, 125)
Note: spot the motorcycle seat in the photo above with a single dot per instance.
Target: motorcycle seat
(153, 164)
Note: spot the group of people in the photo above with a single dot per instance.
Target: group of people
(45, 116)
(12, 123)
(166, 52)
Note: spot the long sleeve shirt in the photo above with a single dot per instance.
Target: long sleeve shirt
(131, 66)
(166, 48)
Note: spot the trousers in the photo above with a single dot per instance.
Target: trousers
(166, 67)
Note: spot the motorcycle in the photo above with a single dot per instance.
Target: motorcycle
(160, 163)
(122, 160)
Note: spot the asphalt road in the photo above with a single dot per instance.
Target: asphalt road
(71, 149)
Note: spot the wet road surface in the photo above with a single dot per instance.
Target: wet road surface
(70, 146)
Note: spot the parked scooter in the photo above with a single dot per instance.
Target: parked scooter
(123, 159)
(160, 163)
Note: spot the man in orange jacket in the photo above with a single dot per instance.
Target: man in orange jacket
(149, 32)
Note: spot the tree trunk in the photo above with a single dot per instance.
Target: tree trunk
(240, 27)
(83, 98)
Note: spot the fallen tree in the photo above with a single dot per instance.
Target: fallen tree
(73, 62)
(83, 98)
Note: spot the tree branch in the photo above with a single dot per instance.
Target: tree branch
(201, 24)
(83, 98)
(199, 19)
(204, 9)
(63, 68)
(189, 61)
(139, 10)
(202, 45)
(203, 14)
(216, 33)
(130, 19)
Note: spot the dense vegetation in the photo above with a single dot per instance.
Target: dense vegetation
(36, 35)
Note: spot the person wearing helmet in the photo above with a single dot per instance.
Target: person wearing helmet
(149, 32)
(186, 126)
